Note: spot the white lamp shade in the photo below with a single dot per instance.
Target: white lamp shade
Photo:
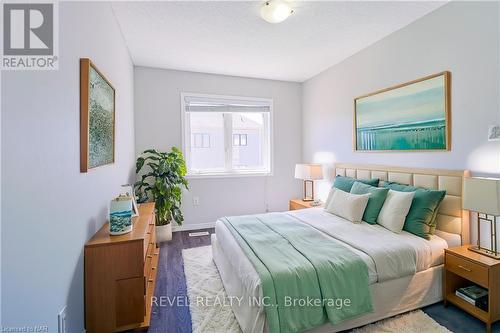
(309, 171)
(482, 195)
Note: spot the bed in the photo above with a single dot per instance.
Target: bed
(404, 271)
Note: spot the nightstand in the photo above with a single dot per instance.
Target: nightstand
(295, 204)
(463, 268)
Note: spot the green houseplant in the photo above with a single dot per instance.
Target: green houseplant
(162, 180)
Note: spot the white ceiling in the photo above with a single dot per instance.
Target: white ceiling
(231, 38)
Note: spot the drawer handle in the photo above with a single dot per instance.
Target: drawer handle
(149, 256)
(464, 268)
(150, 280)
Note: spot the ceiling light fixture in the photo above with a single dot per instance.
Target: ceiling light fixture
(275, 11)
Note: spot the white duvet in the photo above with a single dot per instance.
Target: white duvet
(387, 255)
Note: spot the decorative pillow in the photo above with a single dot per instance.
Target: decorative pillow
(345, 183)
(421, 220)
(347, 205)
(396, 207)
(330, 195)
(375, 203)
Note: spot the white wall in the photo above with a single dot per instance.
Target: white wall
(158, 125)
(460, 37)
(49, 208)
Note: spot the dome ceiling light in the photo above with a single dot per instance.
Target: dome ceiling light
(275, 11)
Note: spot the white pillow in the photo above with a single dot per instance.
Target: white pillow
(347, 205)
(330, 195)
(393, 213)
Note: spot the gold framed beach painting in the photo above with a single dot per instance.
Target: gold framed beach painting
(97, 118)
(413, 116)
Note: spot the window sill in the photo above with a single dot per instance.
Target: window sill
(229, 174)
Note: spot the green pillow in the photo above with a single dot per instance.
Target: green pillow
(421, 219)
(375, 203)
(345, 183)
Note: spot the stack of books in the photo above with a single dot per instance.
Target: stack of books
(474, 295)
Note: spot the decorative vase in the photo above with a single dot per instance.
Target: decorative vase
(120, 215)
(163, 233)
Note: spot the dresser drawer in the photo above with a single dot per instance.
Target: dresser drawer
(467, 269)
(148, 261)
(152, 239)
(149, 237)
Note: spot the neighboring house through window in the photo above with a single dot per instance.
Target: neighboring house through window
(200, 140)
(226, 135)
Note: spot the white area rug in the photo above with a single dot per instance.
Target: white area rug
(211, 313)
(411, 322)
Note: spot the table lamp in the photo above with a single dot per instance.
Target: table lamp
(308, 173)
(482, 195)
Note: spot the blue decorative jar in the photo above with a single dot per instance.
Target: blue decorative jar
(120, 215)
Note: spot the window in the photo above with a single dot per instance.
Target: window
(226, 135)
(239, 139)
(200, 140)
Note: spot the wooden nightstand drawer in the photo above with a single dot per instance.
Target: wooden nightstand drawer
(464, 268)
(467, 269)
(297, 205)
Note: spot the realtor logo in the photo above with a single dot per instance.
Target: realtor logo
(29, 36)
(28, 29)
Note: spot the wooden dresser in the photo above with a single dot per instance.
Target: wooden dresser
(120, 276)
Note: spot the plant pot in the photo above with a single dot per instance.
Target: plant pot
(163, 233)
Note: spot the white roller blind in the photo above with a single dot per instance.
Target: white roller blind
(209, 104)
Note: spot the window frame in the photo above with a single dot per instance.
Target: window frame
(227, 173)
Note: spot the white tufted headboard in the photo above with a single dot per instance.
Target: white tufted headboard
(451, 216)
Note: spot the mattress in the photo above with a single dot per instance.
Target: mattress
(424, 255)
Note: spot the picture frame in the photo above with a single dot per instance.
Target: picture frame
(97, 117)
(409, 117)
(494, 133)
(128, 190)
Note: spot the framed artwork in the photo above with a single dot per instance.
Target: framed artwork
(494, 133)
(129, 192)
(97, 118)
(413, 116)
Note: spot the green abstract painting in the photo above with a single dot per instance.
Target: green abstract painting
(412, 116)
(101, 120)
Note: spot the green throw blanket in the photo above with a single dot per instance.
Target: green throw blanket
(307, 279)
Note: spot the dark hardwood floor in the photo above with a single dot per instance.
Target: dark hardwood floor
(175, 318)
(171, 285)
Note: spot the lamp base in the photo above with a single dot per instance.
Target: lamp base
(484, 252)
(306, 197)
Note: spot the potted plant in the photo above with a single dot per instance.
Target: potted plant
(162, 181)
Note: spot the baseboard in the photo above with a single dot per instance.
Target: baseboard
(193, 226)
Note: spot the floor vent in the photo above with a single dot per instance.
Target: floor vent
(198, 234)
